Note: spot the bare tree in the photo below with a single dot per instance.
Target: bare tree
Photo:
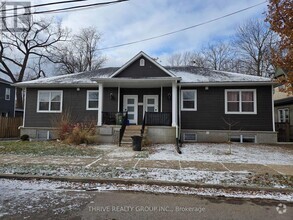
(175, 59)
(198, 60)
(80, 53)
(16, 48)
(252, 44)
(218, 56)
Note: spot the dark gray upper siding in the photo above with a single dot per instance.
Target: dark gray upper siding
(211, 111)
(6, 106)
(137, 71)
(73, 101)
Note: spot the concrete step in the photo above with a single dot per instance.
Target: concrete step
(133, 127)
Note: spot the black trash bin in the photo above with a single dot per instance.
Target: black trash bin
(136, 143)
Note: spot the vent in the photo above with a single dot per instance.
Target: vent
(141, 62)
(189, 137)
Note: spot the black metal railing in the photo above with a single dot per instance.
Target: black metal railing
(122, 129)
(158, 118)
(143, 125)
(112, 118)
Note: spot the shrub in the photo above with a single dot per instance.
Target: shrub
(24, 137)
(75, 133)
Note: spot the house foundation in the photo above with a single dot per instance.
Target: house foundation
(222, 136)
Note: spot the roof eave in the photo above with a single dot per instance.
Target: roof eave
(135, 79)
(55, 85)
(255, 83)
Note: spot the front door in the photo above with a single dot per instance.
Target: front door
(130, 105)
(151, 103)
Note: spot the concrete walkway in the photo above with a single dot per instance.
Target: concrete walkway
(126, 158)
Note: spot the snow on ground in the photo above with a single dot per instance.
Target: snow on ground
(241, 153)
(30, 196)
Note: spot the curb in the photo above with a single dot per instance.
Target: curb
(143, 182)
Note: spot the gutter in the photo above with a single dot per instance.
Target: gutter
(255, 83)
(56, 85)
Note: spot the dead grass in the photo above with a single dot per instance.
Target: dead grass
(43, 148)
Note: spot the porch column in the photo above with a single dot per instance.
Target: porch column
(101, 91)
(174, 104)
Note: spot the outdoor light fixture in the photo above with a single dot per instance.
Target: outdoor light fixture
(169, 95)
(206, 88)
(78, 89)
(111, 96)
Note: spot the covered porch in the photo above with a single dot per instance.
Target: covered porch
(149, 101)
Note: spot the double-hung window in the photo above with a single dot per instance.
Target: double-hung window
(7, 94)
(283, 115)
(49, 101)
(92, 102)
(240, 101)
(188, 100)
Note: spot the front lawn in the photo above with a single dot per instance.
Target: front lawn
(44, 148)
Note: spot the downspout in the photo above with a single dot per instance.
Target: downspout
(178, 138)
(273, 110)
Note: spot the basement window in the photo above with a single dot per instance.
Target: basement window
(243, 138)
(189, 137)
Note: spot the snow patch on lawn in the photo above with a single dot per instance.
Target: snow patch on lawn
(241, 153)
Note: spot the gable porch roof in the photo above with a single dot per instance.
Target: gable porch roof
(141, 53)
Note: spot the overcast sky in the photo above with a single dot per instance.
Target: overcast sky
(139, 19)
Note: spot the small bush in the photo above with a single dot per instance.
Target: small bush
(81, 133)
(75, 133)
(24, 137)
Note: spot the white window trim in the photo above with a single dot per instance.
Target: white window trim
(195, 100)
(87, 100)
(50, 111)
(283, 109)
(142, 62)
(7, 94)
(240, 101)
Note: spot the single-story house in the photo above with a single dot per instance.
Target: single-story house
(188, 103)
(7, 98)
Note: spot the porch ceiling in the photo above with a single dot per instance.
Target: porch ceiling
(138, 83)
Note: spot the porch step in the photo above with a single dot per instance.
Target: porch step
(131, 130)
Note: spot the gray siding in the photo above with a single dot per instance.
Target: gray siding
(211, 111)
(137, 71)
(73, 101)
(7, 106)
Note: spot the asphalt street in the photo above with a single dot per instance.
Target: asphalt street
(121, 205)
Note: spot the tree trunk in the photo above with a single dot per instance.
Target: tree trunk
(19, 101)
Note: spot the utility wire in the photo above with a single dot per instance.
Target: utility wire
(183, 29)
(66, 9)
(42, 5)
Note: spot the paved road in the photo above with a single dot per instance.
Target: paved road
(133, 205)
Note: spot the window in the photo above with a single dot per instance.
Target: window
(50, 101)
(188, 100)
(141, 62)
(7, 94)
(283, 115)
(92, 100)
(243, 138)
(241, 101)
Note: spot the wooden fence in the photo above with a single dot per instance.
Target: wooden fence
(9, 127)
(283, 130)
